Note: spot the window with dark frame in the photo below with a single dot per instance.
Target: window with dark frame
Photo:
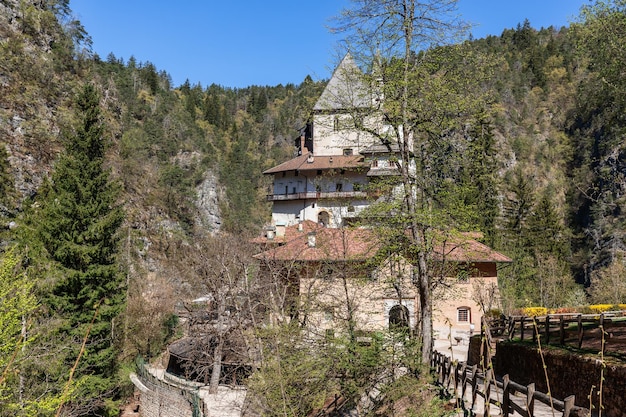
(463, 314)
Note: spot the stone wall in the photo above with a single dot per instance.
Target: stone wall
(161, 399)
(568, 373)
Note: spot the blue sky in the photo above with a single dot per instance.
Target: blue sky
(261, 42)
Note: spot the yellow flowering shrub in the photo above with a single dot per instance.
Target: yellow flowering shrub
(600, 308)
(534, 311)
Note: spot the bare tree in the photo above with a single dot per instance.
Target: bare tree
(227, 304)
(421, 93)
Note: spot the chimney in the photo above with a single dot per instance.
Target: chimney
(300, 226)
(270, 232)
(311, 239)
(302, 141)
(280, 230)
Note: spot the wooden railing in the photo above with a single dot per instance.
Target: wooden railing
(316, 195)
(467, 383)
(564, 329)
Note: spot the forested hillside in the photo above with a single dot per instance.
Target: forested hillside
(546, 171)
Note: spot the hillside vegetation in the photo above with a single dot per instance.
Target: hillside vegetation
(547, 171)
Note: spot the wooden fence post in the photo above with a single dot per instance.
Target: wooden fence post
(547, 329)
(457, 369)
(568, 405)
(487, 388)
(530, 400)
(506, 400)
(580, 331)
(474, 383)
(464, 382)
(447, 371)
(602, 336)
(561, 330)
(521, 327)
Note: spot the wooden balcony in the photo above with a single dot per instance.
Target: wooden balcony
(316, 195)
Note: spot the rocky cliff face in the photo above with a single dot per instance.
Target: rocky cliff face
(208, 195)
(32, 93)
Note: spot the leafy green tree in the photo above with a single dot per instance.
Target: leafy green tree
(426, 99)
(17, 304)
(294, 377)
(77, 224)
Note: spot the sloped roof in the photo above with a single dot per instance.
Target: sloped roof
(291, 233)
(381, 149)
(302, 163)
(345, 89)
(331, 244)
(360, 244)
(466, 249)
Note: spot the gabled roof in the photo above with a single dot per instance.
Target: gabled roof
(346, 88)
(308, 162)
(358, 244)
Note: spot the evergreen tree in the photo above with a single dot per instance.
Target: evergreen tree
(77, 225)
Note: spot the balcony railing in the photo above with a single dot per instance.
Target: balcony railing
(316, 195)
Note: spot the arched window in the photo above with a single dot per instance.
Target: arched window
(323, 218)
(399, 318)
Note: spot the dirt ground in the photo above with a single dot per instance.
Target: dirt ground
(614, 338)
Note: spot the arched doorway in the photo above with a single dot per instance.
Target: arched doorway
(323, 218)
(399, 318)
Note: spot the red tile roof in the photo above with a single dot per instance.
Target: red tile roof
(466, 249)
(302, 163)
(330, 245)
(291, 233)
(360, 244)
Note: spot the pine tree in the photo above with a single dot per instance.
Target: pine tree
(77, 225)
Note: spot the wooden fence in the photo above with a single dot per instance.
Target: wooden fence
(466, 381)
(564, 329)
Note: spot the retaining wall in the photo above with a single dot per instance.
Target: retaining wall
(162, 399)
(568, 373)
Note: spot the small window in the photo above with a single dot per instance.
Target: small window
(286, 189)
(347, 151)
(297, 173)
(374, 163)
(293, 190)
(319, 172)
(339, 187)
(463, 315)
